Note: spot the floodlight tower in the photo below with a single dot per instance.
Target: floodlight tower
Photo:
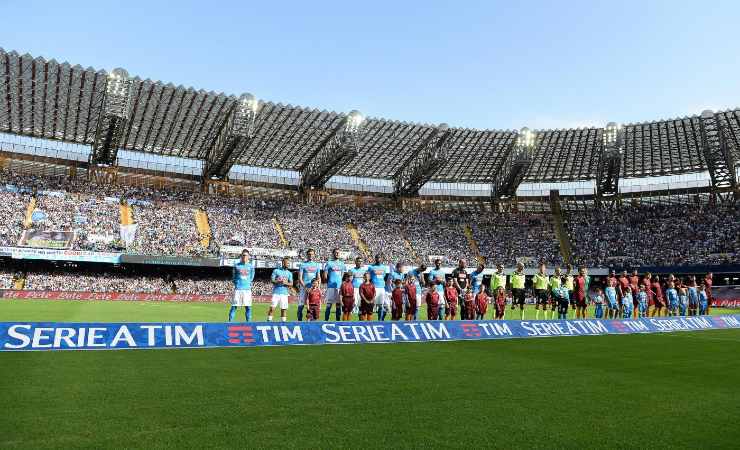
(719, 158)
(610, 162)
(430, 155)
(515, 166)
(335, 152)
(232, 139)
(113, 119)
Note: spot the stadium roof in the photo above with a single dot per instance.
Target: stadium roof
(46, 99)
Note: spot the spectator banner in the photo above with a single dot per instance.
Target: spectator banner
(171, 260)
(47, 239)
(25, 336)
(61, 255)
(38, 216)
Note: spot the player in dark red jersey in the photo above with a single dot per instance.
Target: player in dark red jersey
(708, 282)
(367, 298)
(451, 300)
(500, 303)
(314, 300)
(347, 292)
(481, 304)
(432, 300)
(657, 297)
(467, 307)
(579, 293)
(635, 287)
(397, 300)
(411, 305)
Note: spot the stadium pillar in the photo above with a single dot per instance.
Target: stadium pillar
(113, 119)
(336, 151)
(610, 163)
(232, 138)
(515, 165)
(720, 160)
(427, 159)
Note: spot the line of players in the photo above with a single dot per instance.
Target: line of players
(380, 289)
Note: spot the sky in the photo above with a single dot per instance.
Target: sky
(487, 65)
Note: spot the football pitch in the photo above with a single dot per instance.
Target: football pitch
(631, 391)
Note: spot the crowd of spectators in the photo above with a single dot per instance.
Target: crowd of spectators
(165, 218)
(76, 280)
(80, 281)
(12, 210)
(504, 238)
(652, 235)
(6, 279)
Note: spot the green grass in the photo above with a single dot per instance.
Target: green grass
(124, 311)
(677, 390)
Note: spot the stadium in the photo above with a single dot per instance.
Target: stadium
(144, 216)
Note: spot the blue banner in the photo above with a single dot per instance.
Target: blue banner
(24, 336)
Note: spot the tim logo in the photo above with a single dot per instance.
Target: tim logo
(470, 330)
(719, 323)
(240, 334)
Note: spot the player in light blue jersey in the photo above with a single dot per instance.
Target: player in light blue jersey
(476, 278)
(242, 277)
(672, 299)
(598, 301)
(703, 300)
(642, 301)
(282, 280)
(378, 274)
(358, 274)
(627, 304)
(307, 271)
(683, 300)
(693, 296)
(334, 270)
(437, 281)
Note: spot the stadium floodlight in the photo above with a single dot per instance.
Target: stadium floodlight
(611, 134)
(118, 93)
(524, 144)
(525, 140)
(354, 121)
(245, 115)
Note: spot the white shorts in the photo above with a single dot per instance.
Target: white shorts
(379, 296)
(280, 301)
(241, 297)
(332, 296)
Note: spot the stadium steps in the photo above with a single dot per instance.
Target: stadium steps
(28, 220)
(19, 283)
(473, 244)
(204, 228)
(361, 244)
(410, 248)
(281, 233)
(127, 214)
(560, 231)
